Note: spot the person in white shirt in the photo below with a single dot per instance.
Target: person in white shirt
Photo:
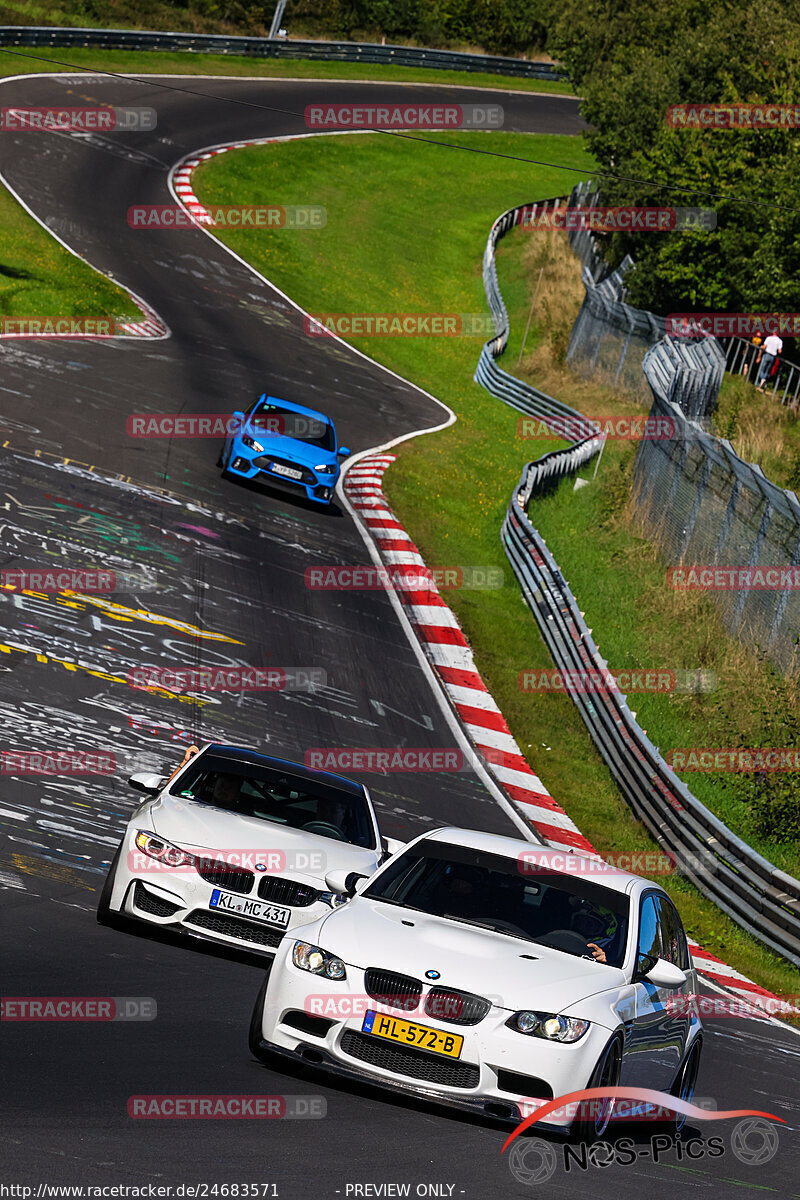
(772, 348)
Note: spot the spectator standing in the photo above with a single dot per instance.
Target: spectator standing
(757, 341)
(772, 348)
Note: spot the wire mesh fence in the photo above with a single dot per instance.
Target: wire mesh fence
(609, 338)
(707, 508)
(758, 896)
(702, 504)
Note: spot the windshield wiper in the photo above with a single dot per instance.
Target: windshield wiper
(397, 903)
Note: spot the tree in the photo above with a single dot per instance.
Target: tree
(630, 65)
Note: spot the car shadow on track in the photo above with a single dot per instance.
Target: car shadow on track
(638, 1133)
(332, 510)
(187, 941)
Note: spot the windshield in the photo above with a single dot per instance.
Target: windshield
(273, 419)
(269, 794)
(523, 900)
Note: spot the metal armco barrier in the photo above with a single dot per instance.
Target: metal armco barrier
(404, 56)
(514, 392)
(751, 890)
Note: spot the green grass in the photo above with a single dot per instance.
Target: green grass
(38, 277)
(622, 587)
(22, 60)
(762, 430)
(451, 489)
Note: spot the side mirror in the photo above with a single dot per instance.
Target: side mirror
(237, 423)
(344, 882)
(390, 846)
(344, 451)
(665, 974)
(144, 781)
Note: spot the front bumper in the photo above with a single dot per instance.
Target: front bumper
(316, 487)
(500, 1073)
(181, 904)
(503, 1109)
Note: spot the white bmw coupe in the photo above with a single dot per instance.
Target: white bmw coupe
(489, 974)
(235, 848)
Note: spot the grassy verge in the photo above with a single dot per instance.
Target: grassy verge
(762, 430)
(452, 489)
(21, 60)
(39, 278)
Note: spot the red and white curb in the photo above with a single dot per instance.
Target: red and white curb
(149, 326)
(449, 652)
(181, 175)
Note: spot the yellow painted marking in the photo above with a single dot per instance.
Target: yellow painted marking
(143, 614)
(47, 870)
(155, 691)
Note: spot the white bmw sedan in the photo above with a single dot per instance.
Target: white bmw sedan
(493, 975)
(235, 847)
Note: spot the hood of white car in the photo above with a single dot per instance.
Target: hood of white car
(368, 933)
(194, 826)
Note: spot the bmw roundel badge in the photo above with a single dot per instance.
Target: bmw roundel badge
(432, 975)
(261, 866)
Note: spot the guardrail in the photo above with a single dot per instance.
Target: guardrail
(209, 43)
(742, 358)
(751, 890)
(519, 395)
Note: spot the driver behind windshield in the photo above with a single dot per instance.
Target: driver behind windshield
(224, 792)
(332, 812)
(458, 893)
(594, 921)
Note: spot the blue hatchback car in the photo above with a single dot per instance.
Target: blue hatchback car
(285, 445)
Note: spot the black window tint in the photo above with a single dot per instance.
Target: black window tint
(673, 937)
(649, 947)
(545, 906)
(277, 796)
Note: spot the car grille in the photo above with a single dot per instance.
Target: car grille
(397, 991)
(265, 462)
(231, 878)
(286, 891)
(234, 927)
(462, 1008)
(413, 1063)
(156, 906)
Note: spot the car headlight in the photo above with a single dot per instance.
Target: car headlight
(327, 468)
(318, 962)
(252, 444)
(550, 1026)
(334, 899)
(164, 852)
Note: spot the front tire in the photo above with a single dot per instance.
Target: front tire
(605, 1074)
(686, 1080)
(257, 1023)
(105, 914)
